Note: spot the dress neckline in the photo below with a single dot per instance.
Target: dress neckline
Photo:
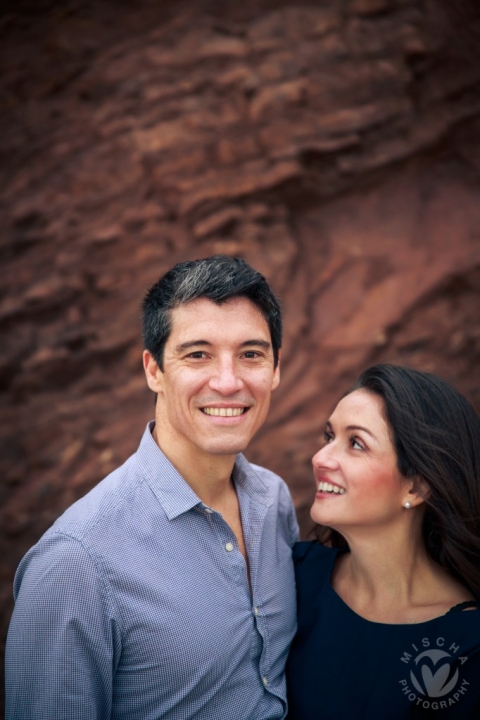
(465, 605)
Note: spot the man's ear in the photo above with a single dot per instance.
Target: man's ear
(276, 373)
(152, 372)
(419, 491)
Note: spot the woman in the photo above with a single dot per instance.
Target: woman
(388, 614)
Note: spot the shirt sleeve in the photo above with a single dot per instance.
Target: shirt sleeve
(63, 640)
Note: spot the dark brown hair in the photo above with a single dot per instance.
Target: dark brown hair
(218, 278)
(436, 435)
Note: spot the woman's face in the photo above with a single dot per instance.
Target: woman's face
(358, 482)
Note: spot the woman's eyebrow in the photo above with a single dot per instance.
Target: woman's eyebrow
(360, 427)
(328, 425)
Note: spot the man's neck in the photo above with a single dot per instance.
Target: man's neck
(209, 476)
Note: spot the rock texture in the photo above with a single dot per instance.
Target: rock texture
(335, 145)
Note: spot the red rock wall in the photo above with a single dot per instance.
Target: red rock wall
(334, 145)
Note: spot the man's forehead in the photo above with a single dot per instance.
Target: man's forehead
(236, 315)
(205, 309)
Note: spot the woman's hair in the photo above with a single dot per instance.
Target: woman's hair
(436, 435)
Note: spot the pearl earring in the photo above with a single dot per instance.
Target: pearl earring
(407, 505)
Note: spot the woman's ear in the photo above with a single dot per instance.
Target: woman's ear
(418, 492)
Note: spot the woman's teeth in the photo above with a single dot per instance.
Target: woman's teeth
(327, 487)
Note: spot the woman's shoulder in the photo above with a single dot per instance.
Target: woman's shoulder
(465, 605)
(313, 562)
(312, 551)
(313, 568)
(464, 615)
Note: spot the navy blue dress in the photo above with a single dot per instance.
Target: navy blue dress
(343, 667)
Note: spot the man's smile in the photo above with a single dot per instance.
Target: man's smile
(224, 411)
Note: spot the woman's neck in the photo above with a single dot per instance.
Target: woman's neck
(390, 578)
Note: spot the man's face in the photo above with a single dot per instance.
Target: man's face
(218, 374)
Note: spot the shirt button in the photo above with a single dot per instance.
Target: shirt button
(229, 547)
(265, 681)
(209, 510)
(255, 610)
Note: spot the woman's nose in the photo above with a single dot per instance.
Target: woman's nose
(325, 457)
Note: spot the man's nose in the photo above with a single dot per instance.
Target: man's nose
(226, 378)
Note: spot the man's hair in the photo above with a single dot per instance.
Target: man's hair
(218, 278)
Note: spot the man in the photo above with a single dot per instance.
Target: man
(168, 590)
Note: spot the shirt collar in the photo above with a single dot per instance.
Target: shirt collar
(174, 493)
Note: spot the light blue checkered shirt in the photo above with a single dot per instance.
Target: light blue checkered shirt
(136, 603)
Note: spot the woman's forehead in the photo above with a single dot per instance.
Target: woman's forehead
(361, 408)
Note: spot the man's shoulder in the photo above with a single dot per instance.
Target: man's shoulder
(268, 476)
(105, 500)
(275, 485)
(279, 494)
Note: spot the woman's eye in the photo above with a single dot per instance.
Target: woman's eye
(356, 445)
(327, 436)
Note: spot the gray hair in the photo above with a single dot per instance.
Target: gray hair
(218, 278)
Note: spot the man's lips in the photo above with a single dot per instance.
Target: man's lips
(224, 411)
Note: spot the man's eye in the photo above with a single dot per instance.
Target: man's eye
(198, 355)
(251, 354)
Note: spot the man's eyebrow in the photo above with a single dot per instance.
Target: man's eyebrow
(204, 343)
(259, 343)
(191, 343)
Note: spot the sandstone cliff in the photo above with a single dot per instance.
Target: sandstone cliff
(335, 145)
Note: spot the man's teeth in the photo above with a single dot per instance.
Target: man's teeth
(224, 412)
(328, 487)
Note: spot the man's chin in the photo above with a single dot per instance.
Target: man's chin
(226, 450)
(225, 447)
